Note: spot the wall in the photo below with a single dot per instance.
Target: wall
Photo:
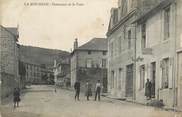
(121, 57)
(95, 56)
(73, 68)
(8, 62)
(179, 50)
(79, 59)
(92, 75)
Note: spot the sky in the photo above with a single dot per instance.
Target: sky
(47, 25)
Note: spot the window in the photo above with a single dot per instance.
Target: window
(143, 41)
(89, 63)
(119, 78)
(165, 73)
(104, 62)
(89, 52)
(142, 76)
(112, 49)
(112, 79)
(124, 7)
(166, 23)
(119, 44)
(104, 52)
(115, 16)
(129, 39)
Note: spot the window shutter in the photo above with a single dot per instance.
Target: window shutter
(171, 73)
(160, 75)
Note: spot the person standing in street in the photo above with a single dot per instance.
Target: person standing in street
(98, 90)
(148, 87)
(16, 98)
(88, 92)
(77, 90)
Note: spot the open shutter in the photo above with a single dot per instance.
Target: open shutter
(171, 73)
(160, 75)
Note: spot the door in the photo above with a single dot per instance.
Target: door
(153, 77)
(129, 81)
(179, 83)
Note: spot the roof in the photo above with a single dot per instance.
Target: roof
(121, 22)
(95, 44)
(153, 11)
(13, 30)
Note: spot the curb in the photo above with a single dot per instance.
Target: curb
(130, 101)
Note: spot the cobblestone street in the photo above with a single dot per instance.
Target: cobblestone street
(42, 101)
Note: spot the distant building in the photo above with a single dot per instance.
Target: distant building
(33, 73)
(62, 75)
(89, 62)
(47, 76)
(38, 74)
(9, 76)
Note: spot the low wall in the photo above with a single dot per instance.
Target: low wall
(92, 75)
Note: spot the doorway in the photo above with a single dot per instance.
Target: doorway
(153, 78)
(129, 81)
(179, 82)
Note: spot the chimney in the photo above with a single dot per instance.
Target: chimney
(76, 44)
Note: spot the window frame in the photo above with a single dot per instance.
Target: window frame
(165, 73)
(167, 15)
(143, 36)
(142, 76)
(129, 39)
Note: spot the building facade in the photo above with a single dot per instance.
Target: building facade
(156, 46)
(89, 62)
(122, 47)
(8, 61)
(33, 73)
(156, 53)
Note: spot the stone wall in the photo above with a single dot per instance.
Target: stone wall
(8, 62)
(92, 75)
(8, 85)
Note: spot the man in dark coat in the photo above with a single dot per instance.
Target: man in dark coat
(16, 98)
(77, 90)
(148, 89)
(88, 92)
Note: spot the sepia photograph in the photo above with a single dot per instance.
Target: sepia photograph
(90, 58)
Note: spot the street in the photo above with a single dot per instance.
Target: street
(42, 101)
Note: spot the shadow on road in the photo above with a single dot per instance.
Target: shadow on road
(8, 112)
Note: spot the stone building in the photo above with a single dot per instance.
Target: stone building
(156, 46)
(8, 61)
(122, 56)
(156, 52)
(89, 62)
(38, 74)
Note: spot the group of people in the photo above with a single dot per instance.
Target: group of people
(88, 92)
